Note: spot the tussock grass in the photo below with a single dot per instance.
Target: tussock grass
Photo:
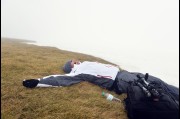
(80, 101)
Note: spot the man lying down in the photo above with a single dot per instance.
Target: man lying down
(104, 75)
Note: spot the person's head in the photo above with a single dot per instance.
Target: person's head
(69, 65)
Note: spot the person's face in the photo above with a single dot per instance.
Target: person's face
(74, 62)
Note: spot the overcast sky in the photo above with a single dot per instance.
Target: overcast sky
(153, 23)
(142, 33)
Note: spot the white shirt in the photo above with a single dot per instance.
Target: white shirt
(96, 69)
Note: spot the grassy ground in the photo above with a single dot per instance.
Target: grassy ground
(81, 101)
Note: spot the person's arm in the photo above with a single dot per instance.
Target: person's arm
(46, 85)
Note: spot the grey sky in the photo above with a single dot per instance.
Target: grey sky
(149, 22)
(118, 30)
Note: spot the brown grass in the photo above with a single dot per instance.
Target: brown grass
(81, 101)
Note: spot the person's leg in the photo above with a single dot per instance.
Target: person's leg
(114, 87)
(122, 81)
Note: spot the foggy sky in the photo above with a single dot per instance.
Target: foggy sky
(129, 29)
(152, 23)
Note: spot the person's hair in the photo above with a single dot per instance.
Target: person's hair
(67, 67)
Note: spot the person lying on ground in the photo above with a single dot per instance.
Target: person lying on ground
(104, 75)
(101, 74)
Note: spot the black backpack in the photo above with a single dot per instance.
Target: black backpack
(150, 100)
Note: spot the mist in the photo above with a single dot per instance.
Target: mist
(138, 35)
